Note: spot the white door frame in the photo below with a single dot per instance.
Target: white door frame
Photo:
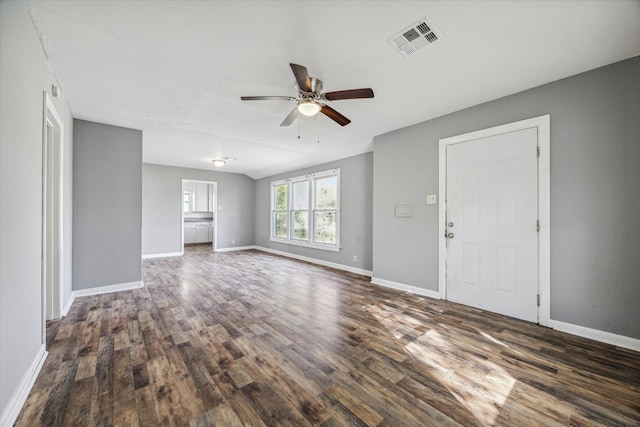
(52, 204)
(543, 123)
(215, 213)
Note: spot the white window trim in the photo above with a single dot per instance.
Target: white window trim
(312, 194)
(190, 201)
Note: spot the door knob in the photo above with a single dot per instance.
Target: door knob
(450, 236)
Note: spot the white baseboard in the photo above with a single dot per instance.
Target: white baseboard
(167, 255)
(12, 410)
(106, 289)
(316, 261)
(408, 288)
(597, 335)
(235, 248)
(67, 306)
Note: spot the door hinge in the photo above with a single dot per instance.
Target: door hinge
(538, 300)
(537, 151)
(538, 226)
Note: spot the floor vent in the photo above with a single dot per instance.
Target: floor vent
(411, 39)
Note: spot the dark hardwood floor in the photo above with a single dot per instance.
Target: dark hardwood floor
(249, 338)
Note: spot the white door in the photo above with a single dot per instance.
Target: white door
(491, 216)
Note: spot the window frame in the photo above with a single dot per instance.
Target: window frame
(309, 243)
(275, 211)
(189, 194)
(292, 210)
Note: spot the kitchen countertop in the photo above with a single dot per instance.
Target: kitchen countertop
(198, 220)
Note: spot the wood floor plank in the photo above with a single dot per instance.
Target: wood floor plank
(103, 399)
(56, 406)
(146, 407)
(253, 339)
(360, 409)
(124, 404)
(78, 410)
(224, 415)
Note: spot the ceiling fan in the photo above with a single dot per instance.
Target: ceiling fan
(310, 100)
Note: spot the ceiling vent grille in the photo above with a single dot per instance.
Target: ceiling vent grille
(411, 39)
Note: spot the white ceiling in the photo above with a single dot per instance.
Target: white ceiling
(177, 69)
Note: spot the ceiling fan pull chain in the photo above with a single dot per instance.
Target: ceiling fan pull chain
(299, 128)
(318, 128)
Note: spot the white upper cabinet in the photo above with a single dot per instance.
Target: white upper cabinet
(203, 197)
(198, 197)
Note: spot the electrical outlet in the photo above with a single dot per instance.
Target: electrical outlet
(431, 199)
(233, 242)
(355, 258)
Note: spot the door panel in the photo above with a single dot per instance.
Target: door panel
(492, 202)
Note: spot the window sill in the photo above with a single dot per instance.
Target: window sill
(331, 248)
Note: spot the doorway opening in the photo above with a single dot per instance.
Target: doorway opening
(52, 219)
(199, 220)
(494, 219)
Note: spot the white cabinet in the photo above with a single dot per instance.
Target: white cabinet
(202, 232)
(189, 232)
(202, 197)
(198, 196)
(198, 232)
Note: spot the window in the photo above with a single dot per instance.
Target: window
(305, 210)
(280, 211)
(186, 201)
(325, 211)
(300, 210)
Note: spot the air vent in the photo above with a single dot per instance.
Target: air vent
(411, 39)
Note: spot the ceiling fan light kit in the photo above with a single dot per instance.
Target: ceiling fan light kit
(311, 99)
(309, 108)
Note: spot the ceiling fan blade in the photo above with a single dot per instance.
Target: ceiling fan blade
(302, 77)
(291, 117)
(267, 98)
(334, 115)
(349, 94)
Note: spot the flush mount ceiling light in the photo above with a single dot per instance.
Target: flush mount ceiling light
(308, 108)
(221, 162)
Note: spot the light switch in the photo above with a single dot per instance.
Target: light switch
(431, 199)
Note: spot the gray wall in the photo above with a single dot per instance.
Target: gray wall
(595, 195)
(356, 195)
(162, 206)
(25, 74)
(107, 219)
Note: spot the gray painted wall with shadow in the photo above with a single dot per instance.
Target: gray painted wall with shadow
(25, 75)
(107, 195)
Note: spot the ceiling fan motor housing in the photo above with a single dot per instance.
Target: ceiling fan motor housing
(316, 85)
